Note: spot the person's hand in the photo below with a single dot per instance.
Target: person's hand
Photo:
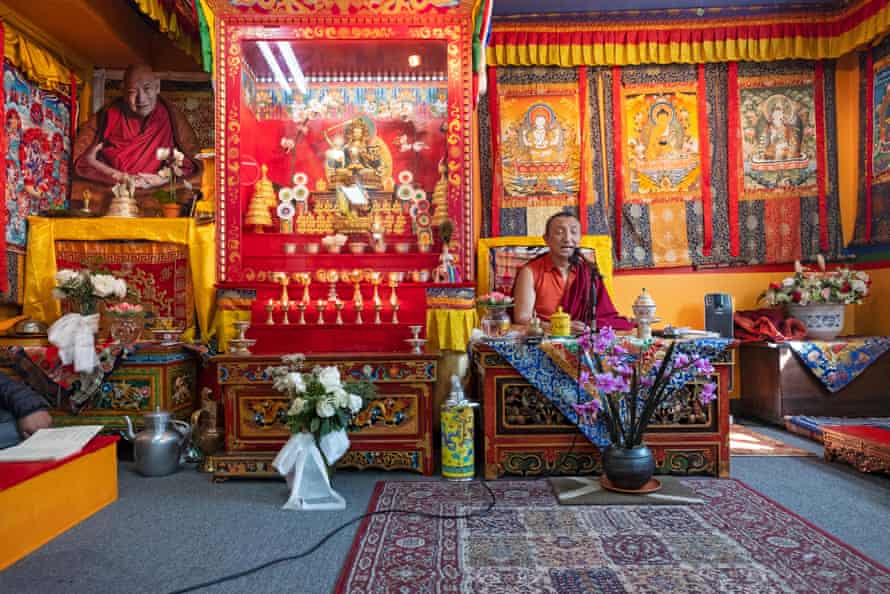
(148, 180)
(39, 419)
(579, 327)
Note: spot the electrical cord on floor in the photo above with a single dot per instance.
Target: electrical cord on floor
(332, 533)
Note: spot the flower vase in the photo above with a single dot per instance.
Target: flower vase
(628, 469)
(495, 321)
(824, 321)
(127, 329)
(304, 467)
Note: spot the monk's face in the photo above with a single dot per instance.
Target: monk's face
(141, 92)
(563, 235)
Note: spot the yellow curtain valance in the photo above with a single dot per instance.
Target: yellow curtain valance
(40, 265)
(169, 25)
(709, 39)
(38, 64)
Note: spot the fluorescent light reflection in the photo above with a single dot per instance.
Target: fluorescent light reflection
(266, 50)
(293, 65)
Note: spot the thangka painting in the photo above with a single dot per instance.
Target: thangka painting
(662, 122)
(783, 193)
(535, 144)
(37, 126)
(539, 148)
(873, 204)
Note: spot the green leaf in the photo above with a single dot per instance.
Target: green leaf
(313, 426)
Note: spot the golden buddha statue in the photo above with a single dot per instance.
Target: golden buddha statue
(356, 157)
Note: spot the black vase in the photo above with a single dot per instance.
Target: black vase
(628, 468)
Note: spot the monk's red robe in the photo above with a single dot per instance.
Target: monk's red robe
(130, 143)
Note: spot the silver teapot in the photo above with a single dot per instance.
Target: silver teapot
(158, 449)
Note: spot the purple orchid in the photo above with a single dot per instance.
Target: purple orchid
(708, 393)
(604, 340)
(703, 366)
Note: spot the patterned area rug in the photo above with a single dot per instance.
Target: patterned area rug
(738, 541)
(745, 442)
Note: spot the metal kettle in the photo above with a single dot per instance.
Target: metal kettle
(158, 449)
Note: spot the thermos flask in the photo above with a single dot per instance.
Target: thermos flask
(458, 459)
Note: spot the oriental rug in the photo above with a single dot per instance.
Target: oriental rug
(737, 541)
(745, 442)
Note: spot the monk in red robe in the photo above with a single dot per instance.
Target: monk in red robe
(563, 277)
(123, 140)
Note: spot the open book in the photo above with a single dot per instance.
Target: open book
(51, 444)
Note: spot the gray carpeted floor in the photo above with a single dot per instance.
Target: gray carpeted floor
(171, 532)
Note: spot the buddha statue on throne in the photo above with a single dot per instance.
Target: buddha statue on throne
(357, 164)
(356, 157)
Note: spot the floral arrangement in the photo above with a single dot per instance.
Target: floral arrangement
(85, 288)
(125, 309)
(171, 160)
(321, 403)
(631, 386)
(494, 299)
(840, 286)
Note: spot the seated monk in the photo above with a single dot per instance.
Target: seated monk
(123, 139)
(562, 277)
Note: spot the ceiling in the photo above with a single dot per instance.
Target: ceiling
(504, 8)
(113, 33)
(104, 33)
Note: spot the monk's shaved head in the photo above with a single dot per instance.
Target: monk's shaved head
(141, 88)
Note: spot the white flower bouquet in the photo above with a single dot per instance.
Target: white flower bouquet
(85, 288)
(321, 403)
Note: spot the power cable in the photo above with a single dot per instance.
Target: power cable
(332, 533)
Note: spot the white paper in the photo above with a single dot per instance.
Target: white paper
(355, 195)
(51, 444)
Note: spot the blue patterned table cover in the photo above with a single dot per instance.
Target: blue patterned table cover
(540, 371)
(838, 362)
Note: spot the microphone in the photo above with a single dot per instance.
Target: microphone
(575, 258)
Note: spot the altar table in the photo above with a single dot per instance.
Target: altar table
(392, 432)
(525, 434)
(775, 384)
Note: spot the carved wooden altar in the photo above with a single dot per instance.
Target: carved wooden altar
(343, 143)
(393, 431)
(527, 435)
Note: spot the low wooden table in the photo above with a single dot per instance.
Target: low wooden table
(395, 435)
(865, 448)
(776, 384)
(526, 435)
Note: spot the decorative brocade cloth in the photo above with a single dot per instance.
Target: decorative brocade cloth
(837, 363)
(552, 368)
(43, 370)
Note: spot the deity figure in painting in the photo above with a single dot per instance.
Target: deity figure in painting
(121, 141)
(779, 131)
(542, 136)
(664, 134)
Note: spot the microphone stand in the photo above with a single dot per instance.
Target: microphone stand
(594, 274)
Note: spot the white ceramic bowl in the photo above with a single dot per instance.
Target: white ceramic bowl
(403, 248)
(358, 247)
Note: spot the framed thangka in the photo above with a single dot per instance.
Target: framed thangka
(38, 153)
(662, 163)
(660, 130)
(538, 154)
(873, 204)
(780, 194)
